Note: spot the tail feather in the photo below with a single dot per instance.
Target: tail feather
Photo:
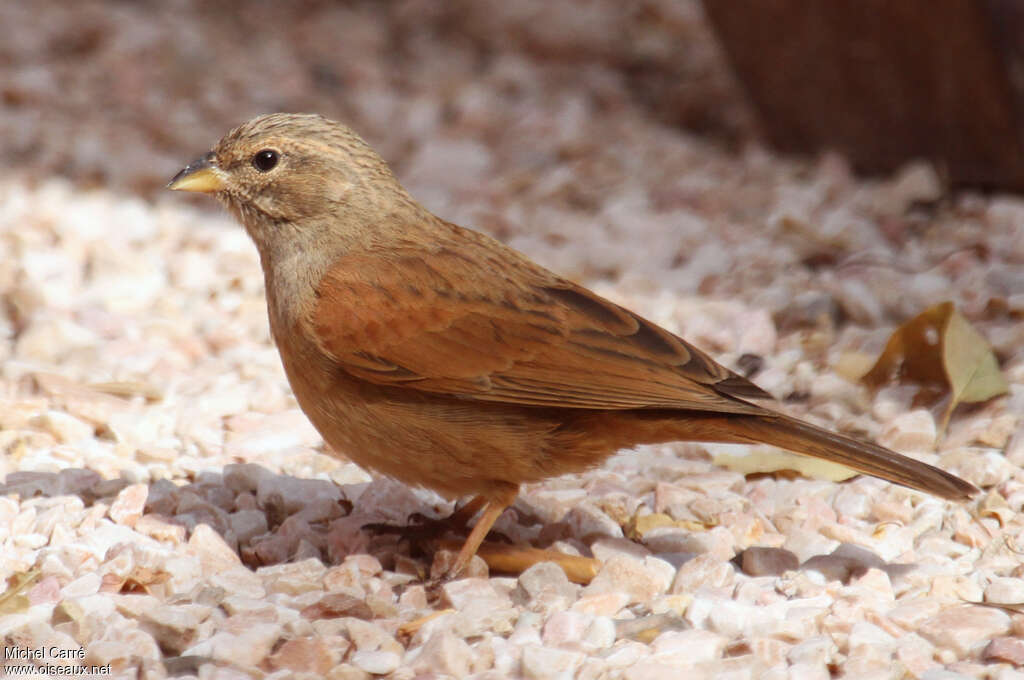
(872, 459)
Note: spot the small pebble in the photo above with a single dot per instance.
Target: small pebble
(965, 629)
(377, 663)
(758, 561)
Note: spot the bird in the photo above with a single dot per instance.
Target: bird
(445, 359)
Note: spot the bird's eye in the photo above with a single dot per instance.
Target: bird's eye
(265, 160)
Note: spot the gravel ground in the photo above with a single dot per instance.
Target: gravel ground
(173, 513)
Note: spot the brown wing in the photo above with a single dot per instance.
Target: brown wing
(477, 324)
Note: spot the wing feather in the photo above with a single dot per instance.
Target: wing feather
(506, 330)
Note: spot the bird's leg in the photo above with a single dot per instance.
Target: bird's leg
(508, 558)
(492, 511)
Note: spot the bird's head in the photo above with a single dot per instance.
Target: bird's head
(286, 175)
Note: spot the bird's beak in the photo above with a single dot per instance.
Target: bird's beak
(200, 175)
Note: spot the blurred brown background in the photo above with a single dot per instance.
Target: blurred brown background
(884, 82)
(123, 93)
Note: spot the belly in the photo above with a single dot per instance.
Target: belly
(453, 446)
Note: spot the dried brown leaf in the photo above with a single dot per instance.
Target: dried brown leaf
(939, 349)
(970, 364)
(15, 598)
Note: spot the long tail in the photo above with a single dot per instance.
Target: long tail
(800, 437)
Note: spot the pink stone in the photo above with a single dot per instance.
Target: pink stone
(965, 628)
(309, 655)
(1008, 649)
(446, 654)
(128, 506)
